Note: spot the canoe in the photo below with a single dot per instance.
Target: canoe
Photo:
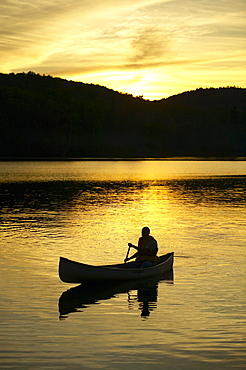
(76, 272)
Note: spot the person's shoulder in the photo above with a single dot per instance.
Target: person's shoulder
(153, 240)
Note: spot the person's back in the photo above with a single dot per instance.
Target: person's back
(147, 247)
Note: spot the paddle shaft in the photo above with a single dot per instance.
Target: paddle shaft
(128, 251)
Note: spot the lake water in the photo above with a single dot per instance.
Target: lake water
(88, 211)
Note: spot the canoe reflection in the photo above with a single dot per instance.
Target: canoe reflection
(79, 297)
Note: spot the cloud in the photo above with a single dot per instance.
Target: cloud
(149, 43)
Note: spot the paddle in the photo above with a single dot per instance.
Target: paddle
(128, 251)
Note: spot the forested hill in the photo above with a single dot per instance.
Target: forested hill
(47, 117)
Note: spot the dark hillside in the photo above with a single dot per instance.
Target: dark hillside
(205, 122)
(41, 116)
(209, 98)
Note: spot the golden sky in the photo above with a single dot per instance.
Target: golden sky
(142, 47)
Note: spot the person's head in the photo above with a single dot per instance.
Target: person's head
(145, 231)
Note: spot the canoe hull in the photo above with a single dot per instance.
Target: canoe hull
(75, 272)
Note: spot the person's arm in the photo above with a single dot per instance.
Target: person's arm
(133, 246)
(134, 255)
(152, 247)
(130, 258)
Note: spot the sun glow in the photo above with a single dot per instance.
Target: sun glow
(134, 82)
(140, 47)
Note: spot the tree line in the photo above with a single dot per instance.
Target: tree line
(42, 116)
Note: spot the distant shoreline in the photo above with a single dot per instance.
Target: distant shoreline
(55, 159)
(44, 118)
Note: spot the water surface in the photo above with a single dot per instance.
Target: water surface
(89, 211)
